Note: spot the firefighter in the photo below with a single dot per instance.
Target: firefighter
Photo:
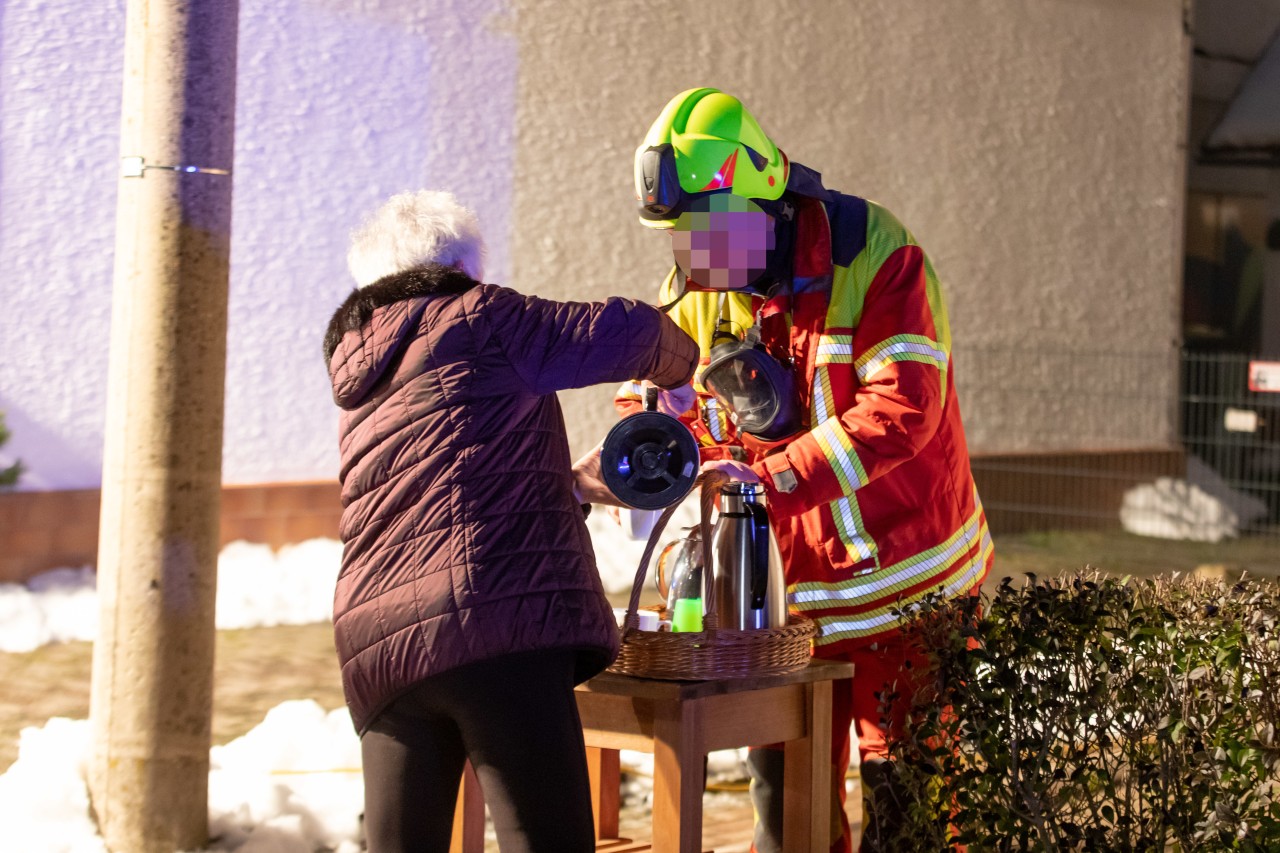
(826, 374)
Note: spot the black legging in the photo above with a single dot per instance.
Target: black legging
(516, 719)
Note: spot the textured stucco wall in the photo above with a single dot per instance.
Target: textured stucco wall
(339, 105)
(60, 73)
(1031, 145)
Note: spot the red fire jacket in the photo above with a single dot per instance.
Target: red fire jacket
(873, 504)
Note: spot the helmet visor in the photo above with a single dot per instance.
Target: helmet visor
(722, 241)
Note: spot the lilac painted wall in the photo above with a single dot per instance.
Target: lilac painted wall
(339, 105)
(60, 73)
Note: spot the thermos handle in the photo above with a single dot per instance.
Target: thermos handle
(760, 552)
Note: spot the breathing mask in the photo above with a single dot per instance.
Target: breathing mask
(755, 388)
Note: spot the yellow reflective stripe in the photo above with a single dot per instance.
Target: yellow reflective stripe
(848, 518)
(823, 405)
(833, 629)
(838, 449)
(900, 348)
(816, 595)
(713, 417)
(834, 349)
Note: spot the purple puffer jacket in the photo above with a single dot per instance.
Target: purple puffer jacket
(462, 539)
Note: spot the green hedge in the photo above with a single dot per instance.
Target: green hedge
(8, 475)
(1095, 713)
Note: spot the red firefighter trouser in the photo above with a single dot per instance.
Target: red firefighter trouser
(855, 703)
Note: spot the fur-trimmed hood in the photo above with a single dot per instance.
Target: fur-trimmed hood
(358, 350)
(359, 306)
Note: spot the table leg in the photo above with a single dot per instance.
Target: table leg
(806, 809)
(468, 815)
(678, 778)
(606, 790)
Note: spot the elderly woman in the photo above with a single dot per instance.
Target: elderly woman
(469, 605)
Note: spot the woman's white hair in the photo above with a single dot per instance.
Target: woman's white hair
(413, 229)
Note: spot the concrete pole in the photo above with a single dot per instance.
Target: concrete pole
(151, 703)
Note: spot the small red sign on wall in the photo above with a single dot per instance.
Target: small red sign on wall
(1264, 376)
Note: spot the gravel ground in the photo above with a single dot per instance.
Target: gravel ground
(257, 669)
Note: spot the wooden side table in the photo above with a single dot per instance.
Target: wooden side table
(680, 722)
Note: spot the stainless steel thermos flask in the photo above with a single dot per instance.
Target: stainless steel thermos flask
(747, 579)
(749, 586)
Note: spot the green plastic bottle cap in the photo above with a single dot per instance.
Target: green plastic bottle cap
(687, 615)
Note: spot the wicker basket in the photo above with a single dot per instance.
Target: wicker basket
(713, 652)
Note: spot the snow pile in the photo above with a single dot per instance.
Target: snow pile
(291, 785)
(1175, 509)
(44, 802)
(1201, 508)
(256, 587)
(1247, 508)
(56, 606)
(259, 587)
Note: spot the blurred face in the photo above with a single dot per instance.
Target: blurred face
(722, 241)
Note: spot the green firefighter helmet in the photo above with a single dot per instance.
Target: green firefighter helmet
(704, 141)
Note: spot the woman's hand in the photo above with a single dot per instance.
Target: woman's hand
(673, 401)
(588, 484)
(734, 470)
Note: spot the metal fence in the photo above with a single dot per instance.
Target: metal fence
(1234, 430)
(1174, 445)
